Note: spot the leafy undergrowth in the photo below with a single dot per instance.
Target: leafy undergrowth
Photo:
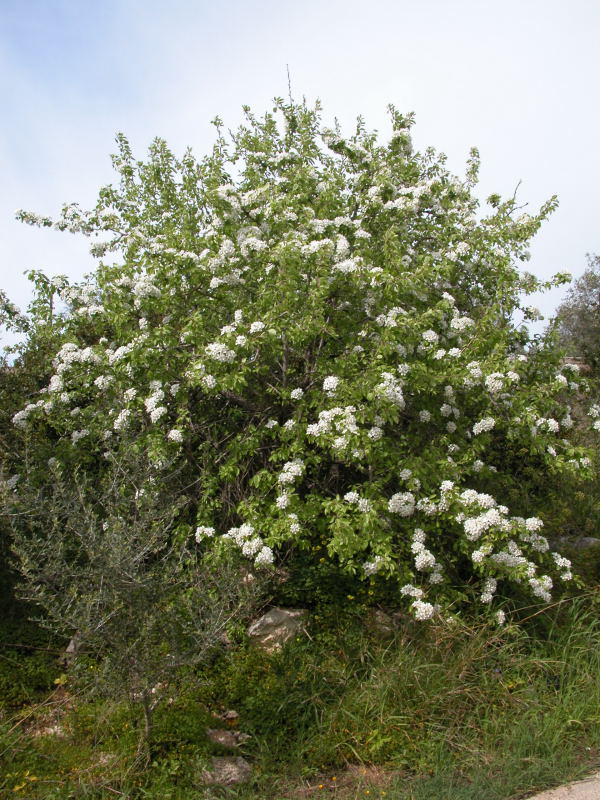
(461, 711)
(29, 661)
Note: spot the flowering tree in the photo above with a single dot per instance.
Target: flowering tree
(326, 333)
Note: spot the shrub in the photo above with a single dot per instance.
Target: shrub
(111, 566)
(324, 333)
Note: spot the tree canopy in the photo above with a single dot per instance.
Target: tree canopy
(578, 316)
(325, 333)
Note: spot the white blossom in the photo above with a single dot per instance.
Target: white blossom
(157, 413)
(204, 532)
(422, 610)
(402, 503)
(408, 590)
(485, 424)
(250, 547)
(122, 419)
(264, 557)
(372, 567)
(220, 352)
(494, 383)
(103, 382)
(534, 524)
(283, 501)
(391, 389)
(461, 324)
(330, 384)
(291, 471)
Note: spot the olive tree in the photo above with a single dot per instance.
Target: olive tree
(105, 560)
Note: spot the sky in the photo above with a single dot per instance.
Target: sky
(518, 79)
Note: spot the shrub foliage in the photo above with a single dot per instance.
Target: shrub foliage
(325, 333)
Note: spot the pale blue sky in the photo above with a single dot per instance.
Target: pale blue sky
(518, 79)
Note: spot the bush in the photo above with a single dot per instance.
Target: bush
(323, 334)
(111, 568)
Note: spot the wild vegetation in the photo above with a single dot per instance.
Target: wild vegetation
(301, 375)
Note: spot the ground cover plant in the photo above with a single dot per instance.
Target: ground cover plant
(454, 712)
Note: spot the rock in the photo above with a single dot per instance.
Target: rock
(223, 737)
(581, 543)
(277, 626)
(50, 730)
(586, 543)
(380, 623)
(230, 717)
(71, 651)
(227, 770)
(386, 624)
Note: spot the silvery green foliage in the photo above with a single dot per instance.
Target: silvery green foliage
(326, 331)
(105, 559)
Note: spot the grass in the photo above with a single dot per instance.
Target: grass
(459, 711)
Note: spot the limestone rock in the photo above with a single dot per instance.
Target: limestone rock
(586, 543)
(380, 623)
(385, 624)
(277, 626)
(226, 738)
(222, 737)
(230, 717)
(227, 770)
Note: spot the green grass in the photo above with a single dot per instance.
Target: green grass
(462, 711)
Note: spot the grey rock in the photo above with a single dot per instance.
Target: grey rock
(582, 543)
(386, 624)
(380, 623)
(230, 717)
(50, 730)
(222, 737)
(277, 626)
(227, 770)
